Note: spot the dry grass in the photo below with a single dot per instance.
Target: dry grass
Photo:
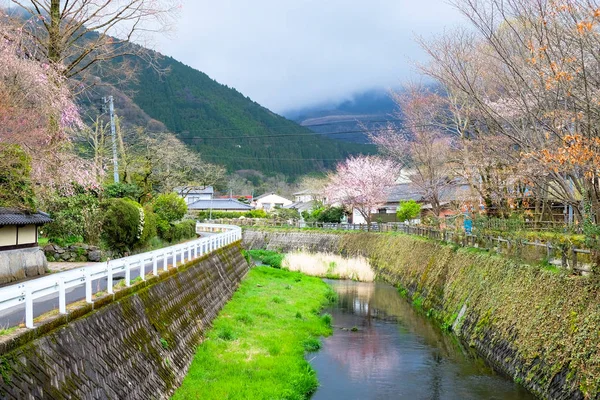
(330, 266)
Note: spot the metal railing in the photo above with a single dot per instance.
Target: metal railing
(564, 255)
(119, 269)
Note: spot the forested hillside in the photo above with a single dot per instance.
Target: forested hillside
(216, 120)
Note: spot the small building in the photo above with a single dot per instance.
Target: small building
(20, 255)
(219, 205)
(193, 194)
(308, 195)
(270, 201)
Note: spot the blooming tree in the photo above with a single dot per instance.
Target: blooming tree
(362, 183)
(36, 113)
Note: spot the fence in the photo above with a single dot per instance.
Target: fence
(58, 284)
(564, 255)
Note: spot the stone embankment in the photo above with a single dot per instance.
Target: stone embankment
(135, 344)
(72, 253)
(537, 325)
(21, 263)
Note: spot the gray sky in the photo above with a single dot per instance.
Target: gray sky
(287, 54)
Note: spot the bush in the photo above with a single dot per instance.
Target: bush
(285, 214)
(122, 190)
(331, 214)
(203, 215)
(16, 189)
(268, 257)
(180, 231)
(121, 224)
(169, 207)
(78, 215)
(150, 228)
(408, 210)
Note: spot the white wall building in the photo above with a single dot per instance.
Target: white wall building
(192, 195)
(270, 201)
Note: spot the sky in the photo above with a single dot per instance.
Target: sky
(291, 54)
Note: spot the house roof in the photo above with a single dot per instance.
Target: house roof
(219, 204)
(306, 191)
(13, 216)
(302, 206)
(187, 190)
(403, 192)
(269, 194)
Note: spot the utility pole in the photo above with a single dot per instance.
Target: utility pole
(111, 111)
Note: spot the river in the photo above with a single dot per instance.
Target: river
(394, 352)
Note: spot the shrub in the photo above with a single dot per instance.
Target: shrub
(169, 207)
(120, 190)
(76, 215)
(179, 231)
(150, 229)
(285, 214)
(203, 215)
(16, 189)
(408, 210)
(331, 214)
(268, 257)
(120, 224)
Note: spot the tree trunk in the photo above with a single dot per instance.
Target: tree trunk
(54, 47)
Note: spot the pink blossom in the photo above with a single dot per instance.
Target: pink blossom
(362, 182)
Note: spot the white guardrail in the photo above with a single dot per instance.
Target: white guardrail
(59, 283)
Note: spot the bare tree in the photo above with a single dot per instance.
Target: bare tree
(76, 35)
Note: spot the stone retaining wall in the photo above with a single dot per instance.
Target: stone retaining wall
(537, 325)
(22, 263)
(290, 241)
(135, 344)
(81, 252)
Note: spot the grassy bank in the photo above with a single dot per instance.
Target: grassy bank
(256, 347)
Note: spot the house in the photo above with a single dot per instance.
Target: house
(227, 204)
(20, 255)
(193, 194)
(307, 195)
(270, 201)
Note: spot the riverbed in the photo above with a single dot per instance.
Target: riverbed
(382, 348)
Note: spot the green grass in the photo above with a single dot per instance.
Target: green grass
(268, 257)
(256, 347)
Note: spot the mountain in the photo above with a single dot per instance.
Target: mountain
(225, 126)
(350, 119)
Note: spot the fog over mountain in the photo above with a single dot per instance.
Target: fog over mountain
(287, 55)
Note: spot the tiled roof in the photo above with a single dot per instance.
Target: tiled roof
(13, 216)
(219, 204)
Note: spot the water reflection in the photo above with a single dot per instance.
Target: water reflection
(397, 353)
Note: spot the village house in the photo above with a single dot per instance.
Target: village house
(193, 194)
(20, 255)
(270, 201)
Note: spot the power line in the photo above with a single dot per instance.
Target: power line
(305, 126)
(314, 134)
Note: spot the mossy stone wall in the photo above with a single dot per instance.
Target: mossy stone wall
(540, 327)
(136, 347)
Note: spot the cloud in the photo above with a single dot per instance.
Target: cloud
(287, 54)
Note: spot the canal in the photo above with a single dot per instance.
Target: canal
(382, 348)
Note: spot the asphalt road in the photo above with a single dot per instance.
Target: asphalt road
(16, 315)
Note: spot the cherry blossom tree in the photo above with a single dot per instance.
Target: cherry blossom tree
(36, 113)
(362, 183)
